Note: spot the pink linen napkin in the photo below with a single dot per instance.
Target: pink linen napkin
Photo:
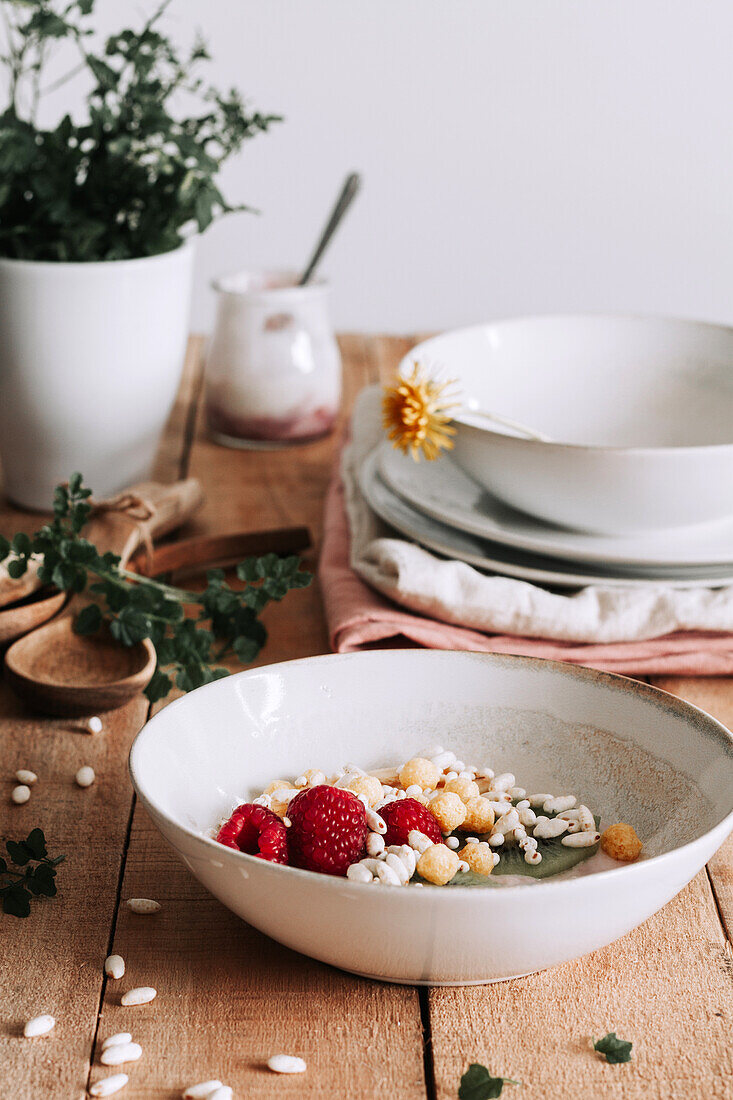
(359, 618)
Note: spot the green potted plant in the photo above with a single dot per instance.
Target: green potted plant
(97, 217)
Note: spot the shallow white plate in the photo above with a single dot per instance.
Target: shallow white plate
(443, 490)
(511, 562)
(629, 751)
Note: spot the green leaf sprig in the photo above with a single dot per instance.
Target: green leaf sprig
(222, 620)
(30, 873)
(136, 172)
(614, 1050)
(478, 1084)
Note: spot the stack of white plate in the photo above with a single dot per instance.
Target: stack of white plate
(635, 487)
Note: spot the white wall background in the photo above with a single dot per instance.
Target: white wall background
(518, 155)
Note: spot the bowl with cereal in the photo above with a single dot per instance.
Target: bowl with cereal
(437, 817)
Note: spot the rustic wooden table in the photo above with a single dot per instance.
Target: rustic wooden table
(228, 998)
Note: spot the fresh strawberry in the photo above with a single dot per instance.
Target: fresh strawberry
(256, 831)
(405, 814)
(328, 830)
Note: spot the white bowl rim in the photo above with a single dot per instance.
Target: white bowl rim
(672, 703)
(465, 419)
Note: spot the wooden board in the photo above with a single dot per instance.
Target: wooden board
(229, 997)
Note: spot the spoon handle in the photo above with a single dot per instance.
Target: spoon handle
(343, 202)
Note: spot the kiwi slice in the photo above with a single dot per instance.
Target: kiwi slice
(556, 858)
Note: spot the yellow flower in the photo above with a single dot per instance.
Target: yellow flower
(416, 414)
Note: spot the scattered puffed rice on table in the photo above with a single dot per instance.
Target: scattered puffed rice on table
(201, 1091)
(453, 842)
(20, 794)
(621, 842)
(286, 1063)
(120, 1037)
(108, 1086)
(39, 1025)
(143, 905)
(94, 724)
(114, 966)
(85, 776)
(118, 1053)
(222, 1093)
(26, 777)
(504, 781)
(142, 995)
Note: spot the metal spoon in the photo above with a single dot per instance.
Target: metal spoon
(348, 193)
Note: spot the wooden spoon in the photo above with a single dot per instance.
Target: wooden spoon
(60, 672)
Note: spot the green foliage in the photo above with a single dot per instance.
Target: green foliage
(615, 1050)
(32, 873)
(224, 619)
(478, 1084)
(138, 171)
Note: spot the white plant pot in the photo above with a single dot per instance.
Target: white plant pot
(90, 360)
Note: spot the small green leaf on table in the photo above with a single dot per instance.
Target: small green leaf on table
(615, 1050)
(478, 1084)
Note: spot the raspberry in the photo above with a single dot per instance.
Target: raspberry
(328, 830)
(256, 831)
(406, 814)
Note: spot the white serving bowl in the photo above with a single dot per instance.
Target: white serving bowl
(630, 752)
(640, 412)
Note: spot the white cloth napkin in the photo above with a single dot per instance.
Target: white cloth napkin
(456, 593)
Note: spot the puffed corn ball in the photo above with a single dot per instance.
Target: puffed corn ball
(479, 816)
(419, 771)
(368, 787)
(448, 810)
(437, 864)
(479, 857)
(466, 789)
(621, 842)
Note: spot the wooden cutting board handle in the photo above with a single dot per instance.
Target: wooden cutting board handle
(191, 555)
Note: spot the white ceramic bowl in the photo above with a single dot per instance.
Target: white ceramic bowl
(640, 411)
(629, 751)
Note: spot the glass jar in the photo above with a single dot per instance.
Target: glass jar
(273, 370)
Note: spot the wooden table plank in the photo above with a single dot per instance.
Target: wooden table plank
(714, 695)
(53, 960)
(666, 987)
(229, 997)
